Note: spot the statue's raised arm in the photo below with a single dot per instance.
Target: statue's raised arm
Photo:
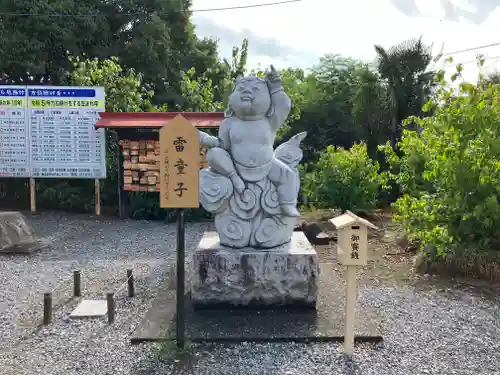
(280, 102)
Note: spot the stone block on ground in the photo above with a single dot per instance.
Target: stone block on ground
(282, 276)
(16, 235)
(314, 234)
(90, 309)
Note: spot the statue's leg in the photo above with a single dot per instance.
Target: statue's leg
(285, 180)
(220, 161)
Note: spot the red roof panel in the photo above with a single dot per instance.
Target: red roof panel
(156, 119)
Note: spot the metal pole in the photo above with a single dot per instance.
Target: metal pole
(180, 318)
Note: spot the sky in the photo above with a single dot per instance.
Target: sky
(298, 34)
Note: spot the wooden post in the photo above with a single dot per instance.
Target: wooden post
(130, 281)
(180, 302)
(97, 197)
(350, 310)
(77, 290)
(110, 299)
(180, 188)
(32, 195)
(47, 308)
(119, 157)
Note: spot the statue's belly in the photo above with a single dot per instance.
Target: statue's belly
(252, 142)
(250, 155)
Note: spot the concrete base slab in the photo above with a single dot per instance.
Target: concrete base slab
(90, 309)
(325, 323)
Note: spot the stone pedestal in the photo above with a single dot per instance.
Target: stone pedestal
(282, 276)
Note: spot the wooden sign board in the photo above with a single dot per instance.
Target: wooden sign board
(179, 165)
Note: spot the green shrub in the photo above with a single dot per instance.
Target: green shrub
(345, 179)
(449, 173)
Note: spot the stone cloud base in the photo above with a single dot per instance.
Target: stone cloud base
(282, 276)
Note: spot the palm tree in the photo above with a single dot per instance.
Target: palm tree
(405, 68)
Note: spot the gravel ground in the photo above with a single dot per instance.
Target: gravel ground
(431, 331)
(102, 250)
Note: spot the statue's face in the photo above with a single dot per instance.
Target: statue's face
(250, 97)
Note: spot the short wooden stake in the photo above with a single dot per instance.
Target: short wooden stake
(32, 195)
(97, 197)
(47, 308)
(130, 281)
(110, 299)
(77, 290)
(350, 310)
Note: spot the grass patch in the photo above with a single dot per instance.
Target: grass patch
(168, 351)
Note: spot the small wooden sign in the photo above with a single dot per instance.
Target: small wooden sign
(179, 165)
(352, 243)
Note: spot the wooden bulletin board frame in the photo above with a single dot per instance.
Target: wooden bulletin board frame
(145, 126)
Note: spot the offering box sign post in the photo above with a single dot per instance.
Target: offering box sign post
(179, 188)
(352, 251)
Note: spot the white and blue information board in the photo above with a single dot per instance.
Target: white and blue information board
(49, 132)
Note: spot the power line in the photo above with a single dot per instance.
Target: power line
(494, 58)
(472, 49)
(139, 14)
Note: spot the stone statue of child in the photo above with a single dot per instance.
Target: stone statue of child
(243, 151)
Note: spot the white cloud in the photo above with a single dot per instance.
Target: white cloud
(475, 11)
(297, 34)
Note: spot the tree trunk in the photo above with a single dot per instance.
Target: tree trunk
(394, 132)
(394, 117)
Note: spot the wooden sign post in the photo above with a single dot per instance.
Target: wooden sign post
(180, 188)
(352, 251)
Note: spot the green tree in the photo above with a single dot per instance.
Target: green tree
(125, 92)
(155, 38)
(238, 64)
(198, 93)
(490, 79)
(35, 48)
(450, 173)
(370, 110)
(345, 179)
(337, 108)
(405, 68)
(232, 69)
